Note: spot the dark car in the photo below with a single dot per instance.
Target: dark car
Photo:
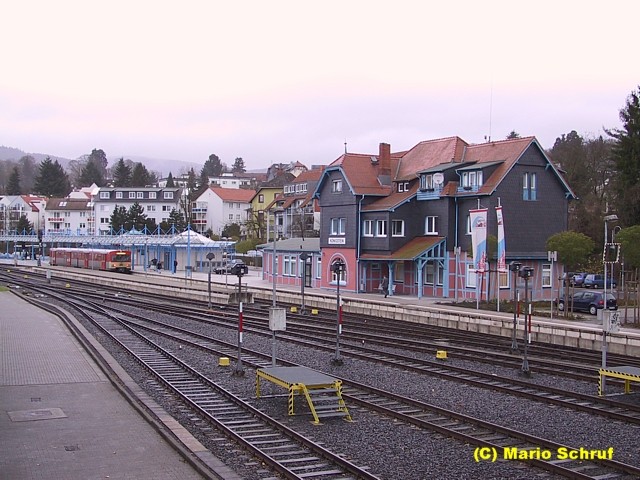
(591, 302)
(595, 280)
(228, 268)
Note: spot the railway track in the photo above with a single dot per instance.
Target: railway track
(283, 450)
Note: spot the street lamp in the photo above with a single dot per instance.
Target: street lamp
(337, 268)
(515, 268)
(607, 218)
(210, 257)
(526, 273)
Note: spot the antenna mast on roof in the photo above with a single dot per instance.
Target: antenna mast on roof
(490, 107)
(345, 145)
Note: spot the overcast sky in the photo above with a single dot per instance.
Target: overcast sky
(280, 81)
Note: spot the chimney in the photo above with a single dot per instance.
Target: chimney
(384, 169)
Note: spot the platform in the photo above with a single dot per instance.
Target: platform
(627, 373)
(322, 392)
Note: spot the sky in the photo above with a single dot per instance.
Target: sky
(283, 81)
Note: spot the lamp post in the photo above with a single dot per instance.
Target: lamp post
(337, 268)
(515, 268)
(303, 278)
(526, 273)
(210, 257)
(607, 218)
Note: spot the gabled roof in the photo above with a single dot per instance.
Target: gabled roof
(80, 204)
(242, 195)
(361, 173)
(509, 152)
(393, 200)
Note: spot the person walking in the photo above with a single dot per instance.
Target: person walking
(175, 266)
(384, 286)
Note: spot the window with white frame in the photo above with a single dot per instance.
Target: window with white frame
(118, 194)
(343, 275)
(139, 194)
(289, 265)
(153, 195)
(338, 226)
(367, 228)
(471, 276)
(403, 186)
(546, 275)
(381, 228)
(472, 179)
(529, 186)
(231, 217)
(426, 182)
(397, 228)
(503, 279)
(468, 224)
(168, 195)
(430, 225)
(398, 272)
(104, 195)
(319, 267)
(151, 208)
(336, 186)
(132, 195)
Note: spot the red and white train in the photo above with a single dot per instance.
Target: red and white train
(92, 258)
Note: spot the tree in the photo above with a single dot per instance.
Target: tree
(118, 218)
(231, 230)
(513, 135)
(91, 174)
(24, 225)
(121, 174)
(626, 153)
(238, 166)
(13, 185)
(176, 221)
(629, 239)
(51, 180)
(187, 199)
(136, 218)
(28, 171)
(212, 167)
(170, 182)
(140, 176)
(573, 248)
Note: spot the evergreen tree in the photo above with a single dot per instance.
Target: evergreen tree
(212, 167)
(135, 217)
(118, 218)
(28, 171)
(626, 153)
(52, 180)
(176, 219)
(121, 174)
(186, 200)
(13, 185)
(24, 225)
(140, 176)
(99, 159)
(91, 174)
(170, 182)
(238, 166)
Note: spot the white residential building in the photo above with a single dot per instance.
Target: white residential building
(157, 203)
(69, 216)
(218, 207)
(12, 207)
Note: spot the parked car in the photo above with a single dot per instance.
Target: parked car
(578, 278)
(591, 302)
(228, 268)
(595, 280)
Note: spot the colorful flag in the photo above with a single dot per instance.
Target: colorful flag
(479, 238)
(502, 253)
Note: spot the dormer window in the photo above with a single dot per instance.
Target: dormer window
(336, 186)
(426, 182)
(403, 186)
(472, 179)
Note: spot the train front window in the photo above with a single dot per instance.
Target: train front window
(121, 257)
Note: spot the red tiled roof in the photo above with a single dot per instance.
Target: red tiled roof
(429, 154)
(234, 194)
